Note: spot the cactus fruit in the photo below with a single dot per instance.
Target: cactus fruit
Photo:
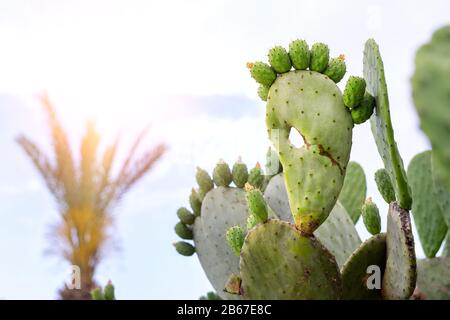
(433, 278)
(97, 294)
(362, 112)
(370, 257)
(384, 185)
(183, 231)
(222, 174)
(426, 211)
(381, 125)
(204, 181)
(354, 91)
(354, 190)
(336, 69)
(256, 177)
(279, 59)
(256, 203)
(299, 54)
(185, 216)
(400, 275)
(371, 217)
(235, 237)
(430, 84)
(184, 248)
(104, 294)
(240, 173)
(195, 202)
(320, 53)
(278, 262)
(262, 73)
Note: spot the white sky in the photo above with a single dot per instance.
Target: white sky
(128, 63)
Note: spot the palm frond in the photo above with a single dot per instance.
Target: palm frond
(104, 184)
(88, 164)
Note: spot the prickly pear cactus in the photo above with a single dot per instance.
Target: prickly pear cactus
(106, 293)
(278, 262)
(430, 84)
(381, 124)
(426, 211)
(400, 275)
(354, 190)
(311, 103)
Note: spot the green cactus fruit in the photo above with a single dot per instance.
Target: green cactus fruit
(430, 84)
(310, 103)
(97, 294)
(222, 174)
(273, 165)
(262, 73)
(222, 208)
(279, 59)
(426, 211)
(382, 130)
(320, 54)
(384, 185)
(256, 203)
(371, 217)
(263, 92)
(235, 237)
(399, 280)
(239, 173)
(109, 291)
(195, 202)
(278, 262)
(204, 181)
(184, 248)
(364, 110)
(336, 68)
(354, 190)
(354, 91)
(363, 271)
(338, 233)
(185, 216)
(256, 177)
(211, 295)
(233, 285)
(183, 231)
(433, 278)
(299, 54)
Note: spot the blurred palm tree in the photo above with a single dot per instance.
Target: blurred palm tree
(85, 193)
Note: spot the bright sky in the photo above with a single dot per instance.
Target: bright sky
(179, 65)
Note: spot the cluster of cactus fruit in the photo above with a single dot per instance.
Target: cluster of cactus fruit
(290, 233)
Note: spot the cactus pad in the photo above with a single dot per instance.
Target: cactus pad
(433, 278)
(431, 83)
(381, 123)
(425, 208)
(278, 262)
(353, 192)
(355, 276)
(399, 278)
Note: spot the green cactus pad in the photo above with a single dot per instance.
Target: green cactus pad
(263, 92)
(299, 54)
(336, 69)
(183, 231)
(382, 130)
(278, 262)
(184, 248)
(240, 173)
(320, 54)
(273, 165)
(222, 174)
(222, 208)
(235, 238)
(354, 190)
(262, 73)
(440, 189)
(426, 211)
(338, 233)
(371, 217)
(355, 275)
(364, 110)
(399, 278)
(430, 83)
(185, 216)
(279, 59)
(354, 91)
(433, 278)
(384, 185)
(310, 103)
